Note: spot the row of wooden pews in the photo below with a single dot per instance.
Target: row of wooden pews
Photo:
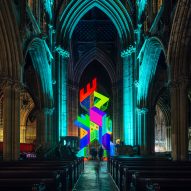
(150, 173)
(40, 175)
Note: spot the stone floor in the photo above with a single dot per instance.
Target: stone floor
(91, 180)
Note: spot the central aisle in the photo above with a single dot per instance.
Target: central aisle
(90, 181)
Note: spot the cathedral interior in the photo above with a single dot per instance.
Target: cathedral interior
(98, 72)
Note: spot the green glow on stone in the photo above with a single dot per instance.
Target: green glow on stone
(150, 54)
(62, 94)
(128, 107)
(48, 7)
(141, 7)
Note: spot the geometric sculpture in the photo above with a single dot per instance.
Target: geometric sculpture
(95, 124)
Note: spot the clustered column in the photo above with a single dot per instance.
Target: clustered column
(73, 92)
(45, 127)
(11, 121)
(128, 96)
(179, 119)
(116, 127)
(63, 56)
(142, 115)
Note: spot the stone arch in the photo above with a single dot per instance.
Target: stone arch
(180, 42)
(24, 114)
(180, 77)
(106, 62)
(75, 10)
(148, 58)
(162, 99)
(11, 61)
(11, 58)
(40, 60)
(94, 54)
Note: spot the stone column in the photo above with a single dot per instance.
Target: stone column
(73, 93)
(142, 132)
(128, 95)
(11, 121)
(63, 56)
(139, 130)
(145, 135)
(179, 119)
(45, 126)
(168, 141)
(116, 127)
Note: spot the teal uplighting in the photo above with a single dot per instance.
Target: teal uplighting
(149, 56)
(62, 94)
(128, 51)
(128, 125)
(141, 7)
(48, 7)
(63, 52)
(114, 10)
(39, 55)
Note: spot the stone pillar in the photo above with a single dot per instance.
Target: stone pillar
(128, 95)
(63, 56)
(45, 127)
(23, 134)
(73, 93)
(11, 121)
(139, 130)
(116, 127)
(168, 141)
(142, 129)
(145, 135)
(179, 119)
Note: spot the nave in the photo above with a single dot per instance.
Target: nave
(89, 180)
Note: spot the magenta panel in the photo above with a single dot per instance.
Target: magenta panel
(96, 115)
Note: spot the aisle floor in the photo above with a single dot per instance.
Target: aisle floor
(91, 181)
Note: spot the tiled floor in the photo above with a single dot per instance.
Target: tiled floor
(90, 181)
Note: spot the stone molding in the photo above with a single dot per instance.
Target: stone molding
(62, 52)
(128, 52)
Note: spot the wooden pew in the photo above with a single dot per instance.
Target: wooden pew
(174, 179)
(17, 184)
(65, 172)
(123, 168)
(125, 172)
(69, 170)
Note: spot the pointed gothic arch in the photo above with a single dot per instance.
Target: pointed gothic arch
(36, 49)
(94, 54)
(75, 10)
(149, 57)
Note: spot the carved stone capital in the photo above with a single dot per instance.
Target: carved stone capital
(144, 110)
(62, 52)
(48, 111)
(5, 84)
(136, 83)
(130, 50)
(173, 85)
(18, 86)
(138, 111)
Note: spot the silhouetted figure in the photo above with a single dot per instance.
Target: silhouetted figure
(97, 169)
(93, 153)
(100, 153)
(58, 151)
